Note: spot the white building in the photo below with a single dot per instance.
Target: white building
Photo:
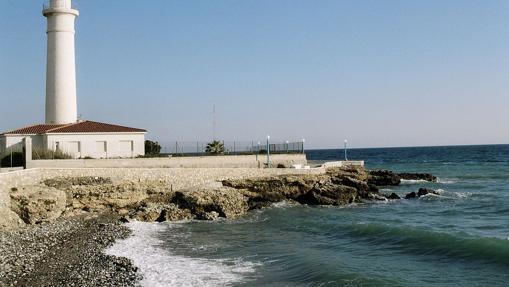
(80, 140)
(62, 130)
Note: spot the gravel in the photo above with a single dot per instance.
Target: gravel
(65, 253)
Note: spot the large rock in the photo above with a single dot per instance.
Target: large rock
(152, 211)
(227, 202)
(417, 176)
(425, 191)
(9, 219)
(37, 204)
(329, 194)
(383, 178)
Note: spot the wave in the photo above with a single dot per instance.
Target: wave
(413, 181)
(159, 267)
(447, 181)
(426, 242)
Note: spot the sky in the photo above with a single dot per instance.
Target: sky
(378, 73)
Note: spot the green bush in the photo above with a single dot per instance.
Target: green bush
(152, 148)
(215, 147)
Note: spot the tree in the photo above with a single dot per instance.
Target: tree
(152, 148)
(215, 147)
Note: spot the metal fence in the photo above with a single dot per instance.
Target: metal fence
(199, 148)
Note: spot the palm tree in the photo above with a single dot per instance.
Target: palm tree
(215, 147)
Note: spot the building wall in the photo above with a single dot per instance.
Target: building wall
(105, 145)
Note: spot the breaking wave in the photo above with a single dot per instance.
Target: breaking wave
(159, 267)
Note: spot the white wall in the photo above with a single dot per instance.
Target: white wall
(118, 145)
(227, 161)
(8, 141)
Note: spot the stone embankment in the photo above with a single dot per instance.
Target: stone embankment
(153, 200)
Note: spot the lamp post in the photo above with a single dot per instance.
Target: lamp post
(268, 151)
(346, 158)
(287, 146)
(303, 141)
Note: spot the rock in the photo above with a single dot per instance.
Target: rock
(67, 182)
(383, 178)
(392, 196)
(376, 196)
(417, 176)
(36, 204)
(9, 219)
(171, 212)
(425, 191)
(148, 212)
(209, 216)
(329, 195)
(411, 195)
(227, 202)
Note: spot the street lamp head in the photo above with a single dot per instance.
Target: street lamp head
(303, 140)
(259, 143)
(346, 141)
(287, 142)
(268, 137)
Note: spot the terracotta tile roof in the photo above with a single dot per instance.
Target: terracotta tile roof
(34, 129)
(78, 127)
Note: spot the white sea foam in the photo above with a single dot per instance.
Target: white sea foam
(446, 181)
(160, 267)
(412, 181)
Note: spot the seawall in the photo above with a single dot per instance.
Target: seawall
(230, 161)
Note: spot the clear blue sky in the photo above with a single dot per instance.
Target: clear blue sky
(380, 73)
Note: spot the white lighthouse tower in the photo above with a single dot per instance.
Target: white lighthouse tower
(61, 104)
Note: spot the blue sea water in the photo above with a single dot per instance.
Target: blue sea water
(458, 238)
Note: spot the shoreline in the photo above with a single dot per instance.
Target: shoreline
(69, 222)
(67, 252)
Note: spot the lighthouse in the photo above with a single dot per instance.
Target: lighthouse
(61, 103)
(62, 131)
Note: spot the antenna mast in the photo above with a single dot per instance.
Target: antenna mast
(214, 122)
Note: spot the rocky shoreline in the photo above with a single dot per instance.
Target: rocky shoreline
(67, 252)
(71, 220)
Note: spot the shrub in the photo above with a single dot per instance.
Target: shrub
(41, 153)
(152, 148)
(215, 147)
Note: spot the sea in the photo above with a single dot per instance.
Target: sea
(459, 237)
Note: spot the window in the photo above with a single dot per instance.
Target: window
(126, 146)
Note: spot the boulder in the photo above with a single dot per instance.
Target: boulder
(227, 202)
(392, 196)
(9, 219)
(171, 212)
(425, 191)
(329, 195)
(411, 195)
(417, 176)
(383, 178)
(37, 204)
